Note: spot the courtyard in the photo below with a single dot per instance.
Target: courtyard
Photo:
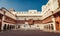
(28, 33)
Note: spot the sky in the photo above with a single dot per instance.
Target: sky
(23, 5)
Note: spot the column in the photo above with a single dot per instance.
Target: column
(54, 25)
(2, 22)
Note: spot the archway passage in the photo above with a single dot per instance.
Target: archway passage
(52, 26)
(1, 21)
(57, 26)
(4, 28)
(0, 26)
(8, 27)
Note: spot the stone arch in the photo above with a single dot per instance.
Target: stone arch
(4, 28)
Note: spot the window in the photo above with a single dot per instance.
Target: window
(30, 12)
(37, 25)
(34, 12)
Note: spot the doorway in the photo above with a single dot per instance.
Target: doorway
(0, 26)
(57, 25)
(4, 28)
(8, 27)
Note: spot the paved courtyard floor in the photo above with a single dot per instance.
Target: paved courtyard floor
(28, 33)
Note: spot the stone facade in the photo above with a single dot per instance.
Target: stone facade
(48, 18)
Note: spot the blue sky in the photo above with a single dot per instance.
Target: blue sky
(23, 5)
